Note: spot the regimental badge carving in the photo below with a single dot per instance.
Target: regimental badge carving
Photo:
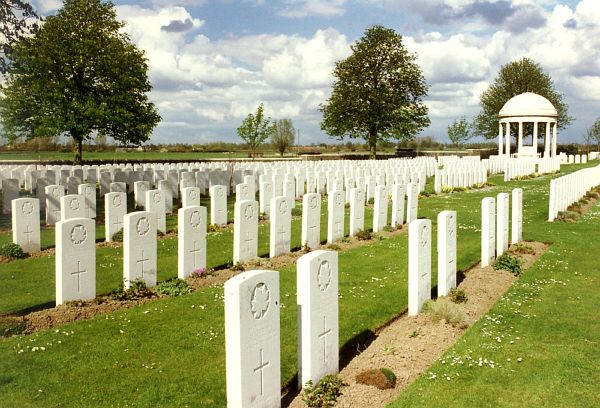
(195, 219)
(56, 192)
(143, 226)
(451, 225)
(324, 276)
(314, 201)
(244, 189)
(424, 237)
(78, 234)
(283, 207)
(117, 201)
(193, 194)
(338, 199)
(156, 197)
(261, 300)
(27, 207)
(74, 204)
(220, 192)
(88, 190)
(248, 212)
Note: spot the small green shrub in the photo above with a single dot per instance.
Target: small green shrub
(173, 287)
(324, 394)
(345, 239)
(371, 201)
(118, 236)
(592, 195)
(522, 248)
(509, 263)
(334, 247)
(296, 212)
(237, 267)
(199, 273)
(447, 189)
(415, 333)
(457, 295)
(159, 233)
(363, 235)
(12, 251)
(137, 290)
(460, 189)
(444, 309)
(389, 374)
(567, 216)
(388, 228)
(212, 228)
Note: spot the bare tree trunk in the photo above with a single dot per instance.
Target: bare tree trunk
(78, 149)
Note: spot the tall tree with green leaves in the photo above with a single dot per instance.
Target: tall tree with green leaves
(515, 78)
(80, 76)
(255, 129)
(377, 93)
(283, 135)
(460, 131)
(18, 19)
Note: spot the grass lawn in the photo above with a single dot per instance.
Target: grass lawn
(170, 352)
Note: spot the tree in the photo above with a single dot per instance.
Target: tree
(460, 131)
(283, 135)
(515, 78)
(79, 75)
(18, 19)
(592, 135)
(377, 93)
(255, 129)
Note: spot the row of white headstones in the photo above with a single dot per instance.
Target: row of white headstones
(570, 188)
(75, 233)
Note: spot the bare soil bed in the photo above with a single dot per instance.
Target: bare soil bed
(409, 345)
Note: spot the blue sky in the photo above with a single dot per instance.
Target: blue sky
(213, 62)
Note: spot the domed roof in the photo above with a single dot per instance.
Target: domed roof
(528, 104)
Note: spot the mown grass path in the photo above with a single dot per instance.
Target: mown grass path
(170, 352)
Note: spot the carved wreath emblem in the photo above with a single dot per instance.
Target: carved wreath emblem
(74, 204)
(283, 207)
(313, 202)
(117, 201)
(27, 207)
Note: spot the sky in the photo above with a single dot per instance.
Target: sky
(211, 63)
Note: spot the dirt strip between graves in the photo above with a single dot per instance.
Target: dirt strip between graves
(409, 345)
(72, 311)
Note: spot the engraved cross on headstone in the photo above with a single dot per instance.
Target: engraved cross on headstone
(141, 262)
(195, 251)
(323, 336)
(261, 366)
(313, 232)
(78, 272)
(28, 232)
(248, 240)
(117, 223)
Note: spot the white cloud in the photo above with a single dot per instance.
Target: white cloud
(305, 8)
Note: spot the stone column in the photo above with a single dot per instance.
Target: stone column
(507, 140)
(535, 137)
(554, 140)
(520, 140)
(500, 139)
(547, 141)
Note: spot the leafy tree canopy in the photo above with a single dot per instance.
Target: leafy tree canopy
(255, 129)
(79, 75)
(515, 78)
(377, 93)
(460, 131)
(283, 135)
(18, 19)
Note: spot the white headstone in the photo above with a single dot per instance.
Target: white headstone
(398, 193)
(335, 216)
(357, 210)
(75, 260)
(245, 231)
(502, 211)
(191, 240)
(88, 191)
(419, 265)
(318, 328)
(380, 208)
(26, 224)
(517, 216)
(252, 341)
(115, 208)
(164, 186)
(139, 193)
(412, 202)
(72, 206)
(280, 236)
(139, 248)
(446, 252)
(244, 192)
(190, 196)
(488, 230)
(311, 220)
(155, 202)
(218, 205)
(10, 191)
(53, 194)
(117, 187)
(265, 193)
